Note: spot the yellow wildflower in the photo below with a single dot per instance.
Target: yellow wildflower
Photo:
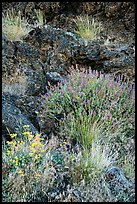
(16, 161)
(31, 154)
(38, 135)
(30, 136)
(21, 173)
(40, 138)
(10, 160)
(13, 135)
(26, 126)
(33, 150)
(21, 142)
(14, 143)
(16, 158)
(42, 150)
(37, 156)
(8, 152)
(36, 143)
(37, 175)
(9, 143)
(33, 145)
(27, 133)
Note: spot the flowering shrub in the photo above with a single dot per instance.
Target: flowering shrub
(93, 108)
(100, 97)
(28, 167)
(94, 113)
(24, 158)
(19, 155)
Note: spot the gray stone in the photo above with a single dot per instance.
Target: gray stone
(13, 118)
(118, 184)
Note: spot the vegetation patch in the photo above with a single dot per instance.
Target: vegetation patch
(93, 134)
(15, 26)
(87, 28)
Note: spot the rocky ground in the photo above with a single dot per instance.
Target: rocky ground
(47, 52)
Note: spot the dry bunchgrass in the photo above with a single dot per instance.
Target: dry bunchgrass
(83, 128)
(87, 28)
(14, 25)
(89, 164)
(40, 16)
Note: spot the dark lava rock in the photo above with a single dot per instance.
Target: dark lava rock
(25, 59)
(54, 77)
(62, 49)
(28, 105)
(13, 118)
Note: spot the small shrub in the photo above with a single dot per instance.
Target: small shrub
(20, 155)
(86, 28)
(31, 168)
(15, 26)
(110, 101)
(24, 158)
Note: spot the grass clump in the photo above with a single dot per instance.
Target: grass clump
(87, 28)
(90, 163)
(14, 25)
(40, 17)
(83, 128)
